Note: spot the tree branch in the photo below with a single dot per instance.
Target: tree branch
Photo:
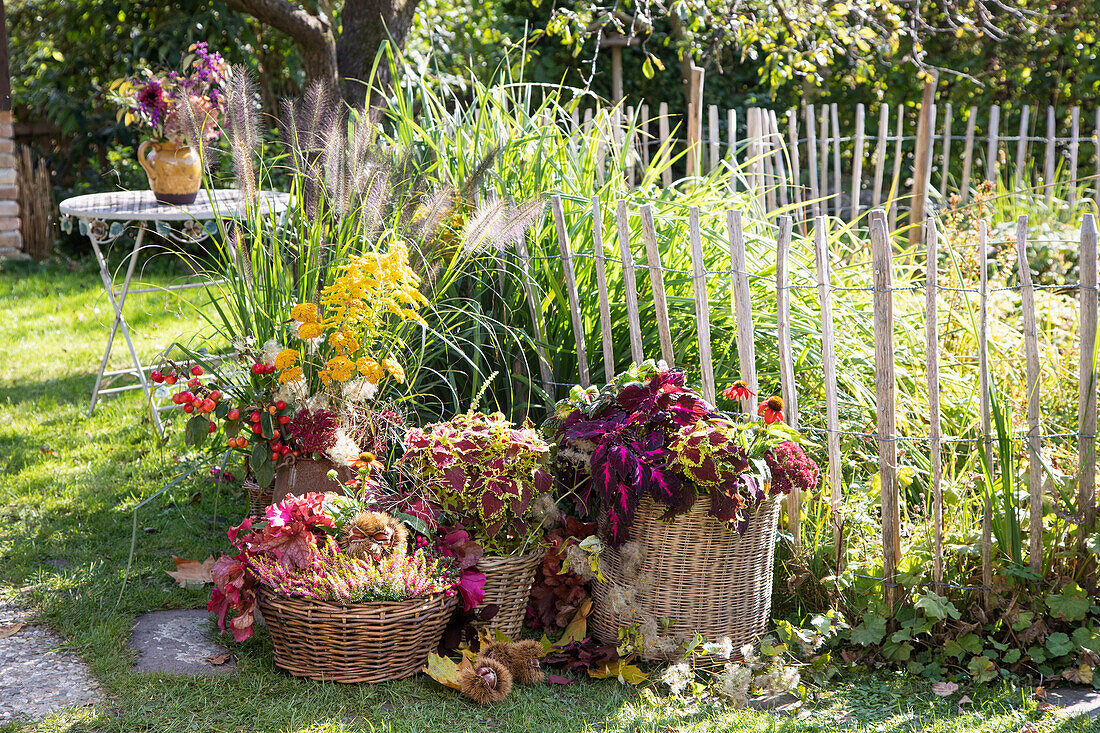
(312, 33)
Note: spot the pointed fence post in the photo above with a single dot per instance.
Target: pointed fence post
(1034, 407)
(786, 362)
(984, 402)
(601, 286)
(702, 305)
(630, 281)
(832, 407)
(571, 290)
(932, 363)
(742, 309)
(1086, 400)
(657, 282)
(882, 269)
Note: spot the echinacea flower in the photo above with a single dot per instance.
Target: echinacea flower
(738, 391)
(771, 410)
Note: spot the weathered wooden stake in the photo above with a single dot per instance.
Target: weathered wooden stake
(984, 401)
(657, 281)
(786, 361)
(968, 153)
(1021, 147)
(1034, 409)
(932, 363)
(630, 282)
(857, 167)
(1086, 400)
(741, 305)
(601, 286)
(832, 408)
(702, 305)
(571, 289)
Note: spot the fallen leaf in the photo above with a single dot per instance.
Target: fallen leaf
(557, 679)
(190, 572)
(945, 689)
(1040, 693)
(577, 629)
(10, 629)
(443, 670)
(1045, 707)
(1029, 727)
(218, 659)
(628, 674)
(964, 700)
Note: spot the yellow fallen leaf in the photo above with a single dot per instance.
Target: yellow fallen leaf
(10, 629)
(443, 670)
(577, 630)
(628, 674)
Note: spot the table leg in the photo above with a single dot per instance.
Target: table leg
(120, 321)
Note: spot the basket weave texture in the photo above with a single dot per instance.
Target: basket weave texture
(508, 581)
(259, 498)
(358, 642)
(706, 578)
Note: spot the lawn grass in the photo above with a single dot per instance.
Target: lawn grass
(71, 482)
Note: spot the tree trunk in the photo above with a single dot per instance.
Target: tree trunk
(311, 33)
(365, 25)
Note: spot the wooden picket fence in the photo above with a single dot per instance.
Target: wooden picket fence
(740, 305)
(805, 163)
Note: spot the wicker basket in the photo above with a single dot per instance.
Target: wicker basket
(359, 642)
(707, 579)
(259, 498)
(309, 474)
(508, 581)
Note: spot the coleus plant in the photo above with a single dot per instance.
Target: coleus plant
(484, 472)
(647, 434)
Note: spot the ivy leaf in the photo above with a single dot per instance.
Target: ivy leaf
(871, 632)
(1070, 604)
(936, 606)
(1059, 644)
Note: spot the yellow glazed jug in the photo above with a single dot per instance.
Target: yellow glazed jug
(174, 171)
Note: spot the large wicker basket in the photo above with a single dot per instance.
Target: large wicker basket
(358, 642)
(508, 581)
(706, 578)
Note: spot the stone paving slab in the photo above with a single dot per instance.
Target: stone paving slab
(178, 642)
(36, 677)
(1076, 701)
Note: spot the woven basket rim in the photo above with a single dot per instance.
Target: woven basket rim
(337, 607)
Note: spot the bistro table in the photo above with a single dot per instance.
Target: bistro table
(104, 217)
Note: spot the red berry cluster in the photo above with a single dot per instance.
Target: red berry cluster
(279, 416)
(260, 368)
(197, 397)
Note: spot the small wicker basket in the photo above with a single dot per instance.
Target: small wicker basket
(706, 578)
(358, 642)
(508, 581)
(259, 498)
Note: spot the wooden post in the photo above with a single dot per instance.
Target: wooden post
(601, 287)
(630, 159)
(662, 130)
(1021, 148)
(731, 143)
(616, 73)
(857, 167)
(1074, 139)
(945, 166)
(786, 362)
(657, 281)
(712, 133)
(932, 363)
(968, 153)
(882, 268)
(880, 152)
(823, 140)
(922, 160)
(571, 289)
(828, 363)
(770, 179)
(1034, 409)
(895, 181)
(536, 316)
(811, 149)
(695, 124)
(702, 306)
(630, 283)
(1086, 398)
(646, 139)
(1048, 158)
(838, 205)
(796, 166)
(781, 180)
(756, 153)
(987, 428)
(992, 160)
(742, 309)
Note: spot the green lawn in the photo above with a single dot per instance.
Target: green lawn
(70, 483)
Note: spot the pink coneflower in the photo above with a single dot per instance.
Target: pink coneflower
(151, 101)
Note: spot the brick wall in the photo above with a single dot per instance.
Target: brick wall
(11, 241)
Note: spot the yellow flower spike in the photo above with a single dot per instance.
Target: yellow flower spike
(394, 369)
(286, 359)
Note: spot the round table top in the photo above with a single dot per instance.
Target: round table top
(141, 206)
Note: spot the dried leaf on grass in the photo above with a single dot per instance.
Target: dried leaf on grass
(444, 670)
(577, 629)
(945, 689)
(625, 672)
(189, 572)
(218, 659)
(11, 629)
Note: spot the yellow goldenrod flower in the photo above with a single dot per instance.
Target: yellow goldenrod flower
(305, 313)
(394, 369)
(309, 331)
